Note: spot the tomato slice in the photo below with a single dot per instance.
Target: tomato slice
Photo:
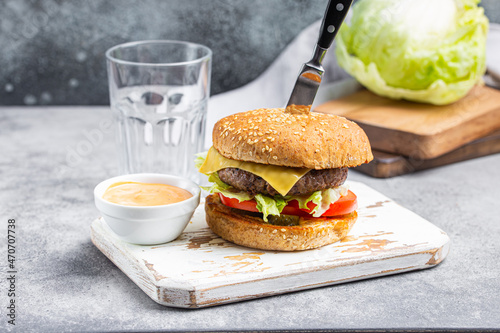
(345, 205)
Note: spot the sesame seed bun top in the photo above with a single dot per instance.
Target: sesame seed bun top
(307, 140)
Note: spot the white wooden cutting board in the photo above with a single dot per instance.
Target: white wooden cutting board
(200, 269)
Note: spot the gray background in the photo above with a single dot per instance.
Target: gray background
(65, 284)
(53, 50)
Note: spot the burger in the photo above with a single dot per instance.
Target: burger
(278, 178)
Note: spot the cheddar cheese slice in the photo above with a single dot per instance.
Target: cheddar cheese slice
(280, 178)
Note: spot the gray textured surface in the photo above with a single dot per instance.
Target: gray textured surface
(53, 157)
(53, 51)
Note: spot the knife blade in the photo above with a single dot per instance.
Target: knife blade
(311, 73)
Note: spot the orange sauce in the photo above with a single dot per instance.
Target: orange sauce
(144, 194)
(312, 77)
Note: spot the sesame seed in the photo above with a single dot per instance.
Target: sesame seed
(275, 157)
(317, 150)
(272, 139)
(275, 231)
(303, 130)
(261, 229)
(270, 149)
(263, 149)
(296, 133)
(283, 229)
(239, 138)
(256, 140)
(345, 126)
(284, 236)
(264, 140)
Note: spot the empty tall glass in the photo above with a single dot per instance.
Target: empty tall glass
(159, 92)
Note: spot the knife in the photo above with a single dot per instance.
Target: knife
(311, 73)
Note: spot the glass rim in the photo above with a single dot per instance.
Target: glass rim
(157, 41)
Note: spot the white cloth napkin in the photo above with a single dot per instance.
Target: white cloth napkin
(493, 52)
(273, 87)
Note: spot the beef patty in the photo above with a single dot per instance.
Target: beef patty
(314, 180)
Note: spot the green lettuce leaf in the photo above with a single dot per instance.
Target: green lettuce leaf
(214, 178)
(200, 159)
(322, 199)
(426, 51)
(228, 191)
(269, 206)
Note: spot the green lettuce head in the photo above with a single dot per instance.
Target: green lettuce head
(431, 51)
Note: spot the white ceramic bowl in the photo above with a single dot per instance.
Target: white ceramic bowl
(148, 225)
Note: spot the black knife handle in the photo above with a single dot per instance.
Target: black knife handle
(334, 16)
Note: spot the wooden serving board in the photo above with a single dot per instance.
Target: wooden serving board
(199, 269)
(385, 165)
(420, 131)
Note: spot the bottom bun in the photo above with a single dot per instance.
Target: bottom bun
(247, 229)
